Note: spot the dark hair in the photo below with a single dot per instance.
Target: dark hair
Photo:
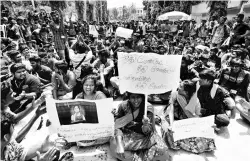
(207, 74)
(16, 67)
(13, 53)
(35, 58)
(91, 77)
(62, 65)
(104, 52)
(86, 69)
(189, 86)
(5, 128)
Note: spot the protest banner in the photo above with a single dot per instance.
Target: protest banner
(194, 127)
(148, 73)
(93, 31)
(123, 32)
(79, 119)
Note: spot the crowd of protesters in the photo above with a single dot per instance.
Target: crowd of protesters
(42, 50)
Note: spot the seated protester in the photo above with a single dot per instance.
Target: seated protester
(24, 85)
(89, 89)
(11, 149)
(8, 98)
(185, 73)
(82, 55)
(162, 50)
(235, 79)
(4, 64)
(103, 59)
(49, 58)
(200, 65)
(184, 104)
(136, 140)
(40, 71)
(214, 59)
(16, 57)
(63, 80)
(214, 99)
(32, 46)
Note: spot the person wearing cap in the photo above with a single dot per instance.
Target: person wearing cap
(63, 81)
(220, 32)
(235, 79)
(40, 71)
(214, 99)
(240, 30)
(25, 86)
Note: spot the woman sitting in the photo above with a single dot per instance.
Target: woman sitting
(184, 104)
(135, 138)
(89, 91)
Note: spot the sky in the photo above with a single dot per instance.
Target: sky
(120, 3)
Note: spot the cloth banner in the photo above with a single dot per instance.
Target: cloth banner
(79, 119)
(123, 32)
(194, 127)
(93, 31)
(148, 73)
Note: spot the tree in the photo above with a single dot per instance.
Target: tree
(115, 13)
(155, 8)
(80, 9)
(217, 8)
(55, 5)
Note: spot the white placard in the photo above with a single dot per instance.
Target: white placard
(194, 127)
(95, 119)
(93, 31)
(148, 73)
(123, 32)
(3, 31)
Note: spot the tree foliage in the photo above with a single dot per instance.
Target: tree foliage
(217, 8)
(55, 5)
(156, 8)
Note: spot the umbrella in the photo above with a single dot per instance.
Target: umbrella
(175, 15)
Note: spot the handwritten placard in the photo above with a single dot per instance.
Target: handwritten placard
(148, 73)
(123, 32)
(93, 31)
(79, 119)
(194, 127)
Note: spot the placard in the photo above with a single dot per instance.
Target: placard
(93, 31)
(148, 73)
(79, 119)
(3, 31)
(194, 127)
(123, 32)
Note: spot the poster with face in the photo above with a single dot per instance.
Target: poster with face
(77, 112)
(79, 119)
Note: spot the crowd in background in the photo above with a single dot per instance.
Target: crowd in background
(42, 50)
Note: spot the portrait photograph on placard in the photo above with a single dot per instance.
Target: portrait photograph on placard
(77, 112)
